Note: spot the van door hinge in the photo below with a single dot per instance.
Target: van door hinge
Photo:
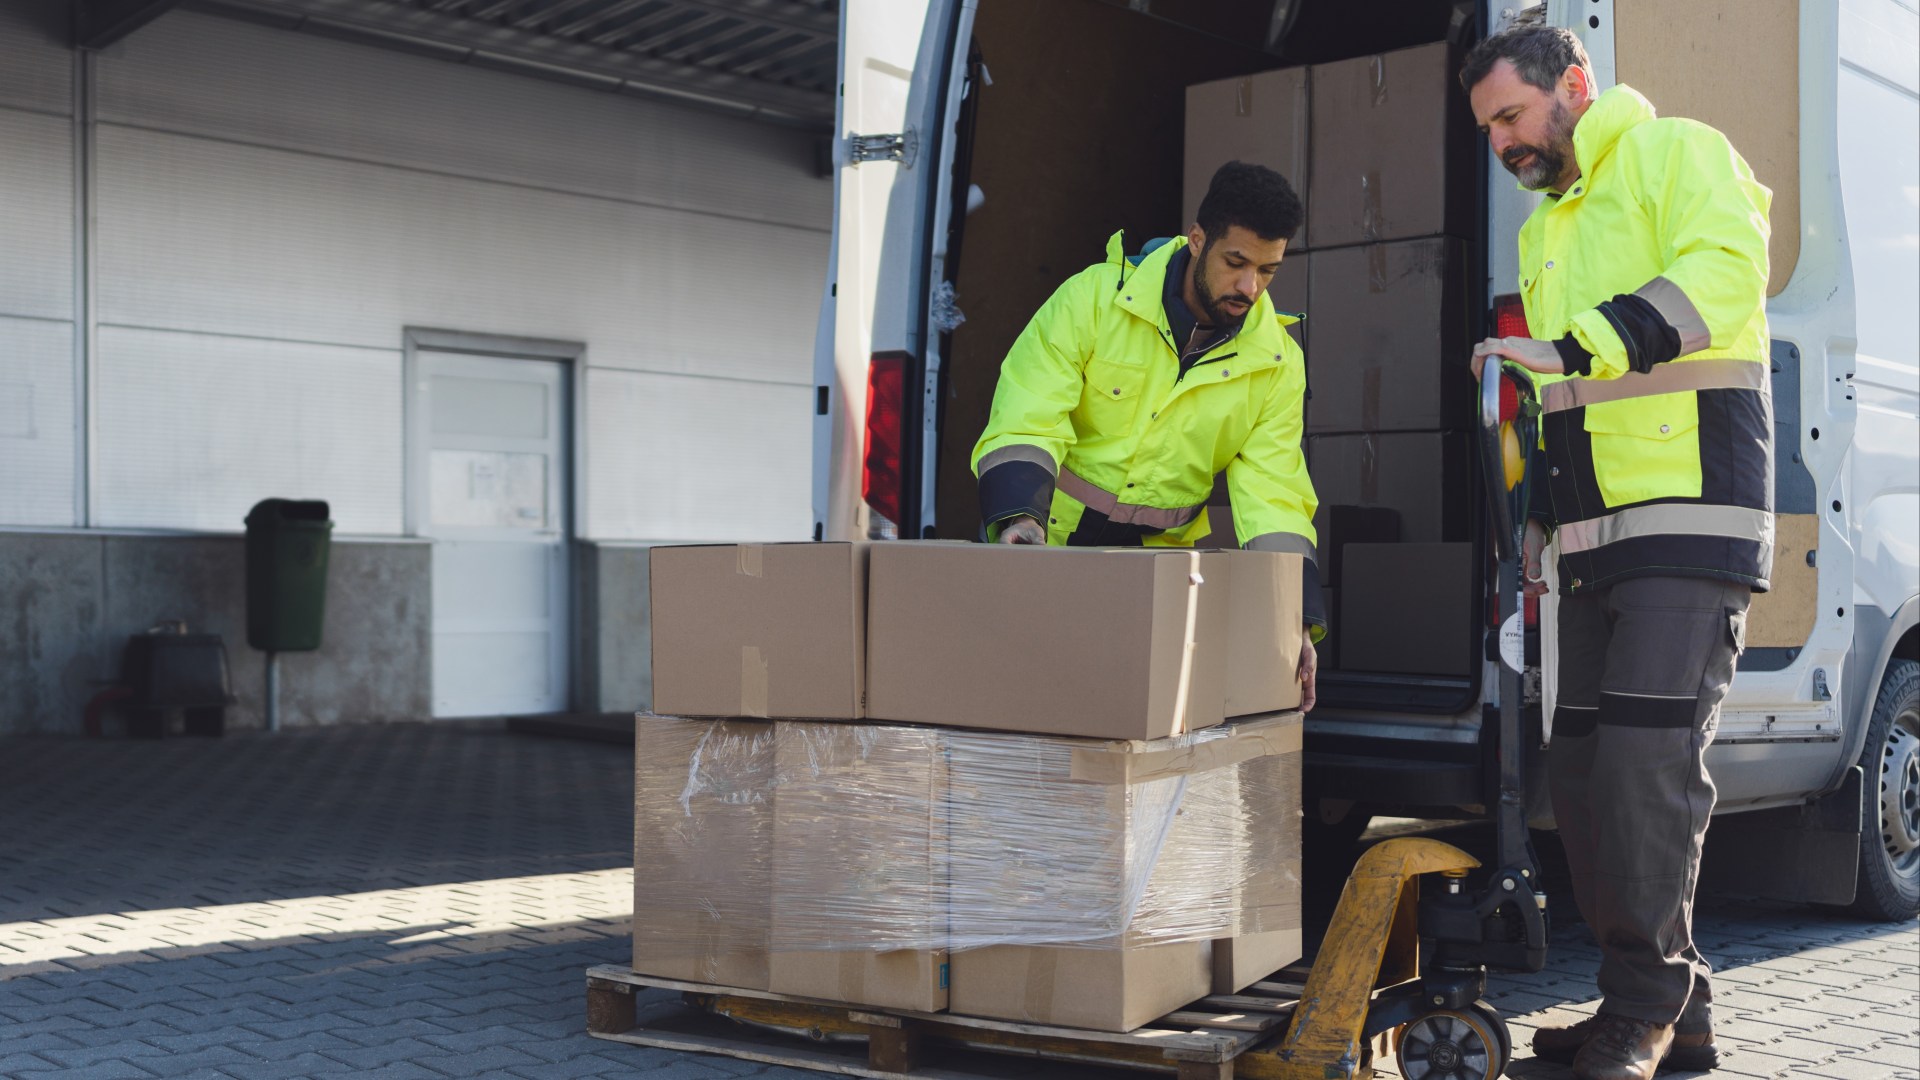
(902, 148)
(1820, 690)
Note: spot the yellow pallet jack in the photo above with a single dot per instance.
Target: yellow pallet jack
(1402, 969)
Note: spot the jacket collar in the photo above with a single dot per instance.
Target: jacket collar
(1611, 115)
(1139, 288)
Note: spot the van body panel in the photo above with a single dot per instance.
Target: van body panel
(1846, 385)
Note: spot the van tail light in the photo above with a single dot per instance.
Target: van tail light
(882, 478)
(1509, 316)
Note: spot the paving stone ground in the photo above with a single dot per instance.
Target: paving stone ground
(422, 901)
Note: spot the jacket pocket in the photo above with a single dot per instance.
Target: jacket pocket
(1646, 448)
(1112, 395)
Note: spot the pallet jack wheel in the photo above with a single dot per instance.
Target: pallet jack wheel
(1493, 1017)
(1455, 1044)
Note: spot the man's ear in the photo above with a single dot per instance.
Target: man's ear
(1579, 84)
(1196, 237)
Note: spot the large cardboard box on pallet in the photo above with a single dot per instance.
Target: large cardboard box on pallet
(1091, 883)
(1122, 644)
(1264, 629)
(703, 849)
(860, 863)
(759, 630)
(1267, 915)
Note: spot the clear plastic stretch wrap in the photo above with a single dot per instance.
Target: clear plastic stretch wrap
(754, 837)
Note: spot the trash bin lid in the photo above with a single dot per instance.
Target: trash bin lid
(289, 510)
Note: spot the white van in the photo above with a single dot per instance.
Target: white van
(987, 148)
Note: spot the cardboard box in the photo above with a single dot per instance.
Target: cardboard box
(1784, 615)
(759, 630)
(1267, 912)
(1392, 150)
(1199, 828)
(1390, 338)
(702, 887)
(1337, 526)
(1119, 644)
(1291, 292)
(860, 865)
(1264, 628)
(1260, 119)
(1426, 476)
(1117, 988)
(1410, 609)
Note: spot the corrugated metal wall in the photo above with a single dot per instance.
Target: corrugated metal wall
(273, 208)
(37, 442)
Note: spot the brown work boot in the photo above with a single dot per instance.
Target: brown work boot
(1692, 1051)
(1560, 1044)
(1623, 1048)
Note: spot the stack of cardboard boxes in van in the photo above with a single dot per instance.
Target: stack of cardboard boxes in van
(1382, 150)
(993, 780)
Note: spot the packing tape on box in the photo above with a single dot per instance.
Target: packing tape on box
(1243, 98)
(1369, 469)
(1372, 218)
(1370, 379)
(1377, 79)
(1043, 967)
(748, 559)
(853, 976)
(1138, 762)
(753, 682)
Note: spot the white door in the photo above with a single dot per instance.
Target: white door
(491, 471)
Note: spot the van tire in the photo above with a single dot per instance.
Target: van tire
(1889, 886)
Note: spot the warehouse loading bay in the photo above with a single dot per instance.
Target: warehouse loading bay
(418, 657)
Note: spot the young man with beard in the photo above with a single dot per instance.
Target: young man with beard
(1143, 377)
(1644, 275)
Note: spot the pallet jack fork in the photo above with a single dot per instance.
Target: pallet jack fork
(1444, 1031)
(1396, 966)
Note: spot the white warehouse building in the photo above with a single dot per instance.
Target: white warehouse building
(514, 318)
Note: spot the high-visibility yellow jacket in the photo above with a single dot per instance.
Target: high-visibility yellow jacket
(1096, 432)
(1650, 275)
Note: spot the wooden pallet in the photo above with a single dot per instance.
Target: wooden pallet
(1201, 1040)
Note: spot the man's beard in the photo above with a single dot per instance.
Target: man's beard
(1210, 303)
(1550, 161)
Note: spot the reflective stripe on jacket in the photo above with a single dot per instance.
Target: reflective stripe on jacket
(1651, 271)
(1097, 432)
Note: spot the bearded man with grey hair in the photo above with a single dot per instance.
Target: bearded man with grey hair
(1643, 274)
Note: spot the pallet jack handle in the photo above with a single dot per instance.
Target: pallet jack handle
(1509, 431)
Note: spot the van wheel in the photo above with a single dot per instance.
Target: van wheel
(1889, 887)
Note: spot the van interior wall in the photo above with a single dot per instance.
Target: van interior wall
(1080, 135)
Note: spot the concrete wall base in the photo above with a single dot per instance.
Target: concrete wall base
(71, 600)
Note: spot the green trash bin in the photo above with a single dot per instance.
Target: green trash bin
(288, 542)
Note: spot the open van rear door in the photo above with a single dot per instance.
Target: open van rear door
(876, 372)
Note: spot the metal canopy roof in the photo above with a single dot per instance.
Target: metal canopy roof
(772, 60)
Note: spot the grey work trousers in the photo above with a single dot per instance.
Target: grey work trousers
(1644, 665)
